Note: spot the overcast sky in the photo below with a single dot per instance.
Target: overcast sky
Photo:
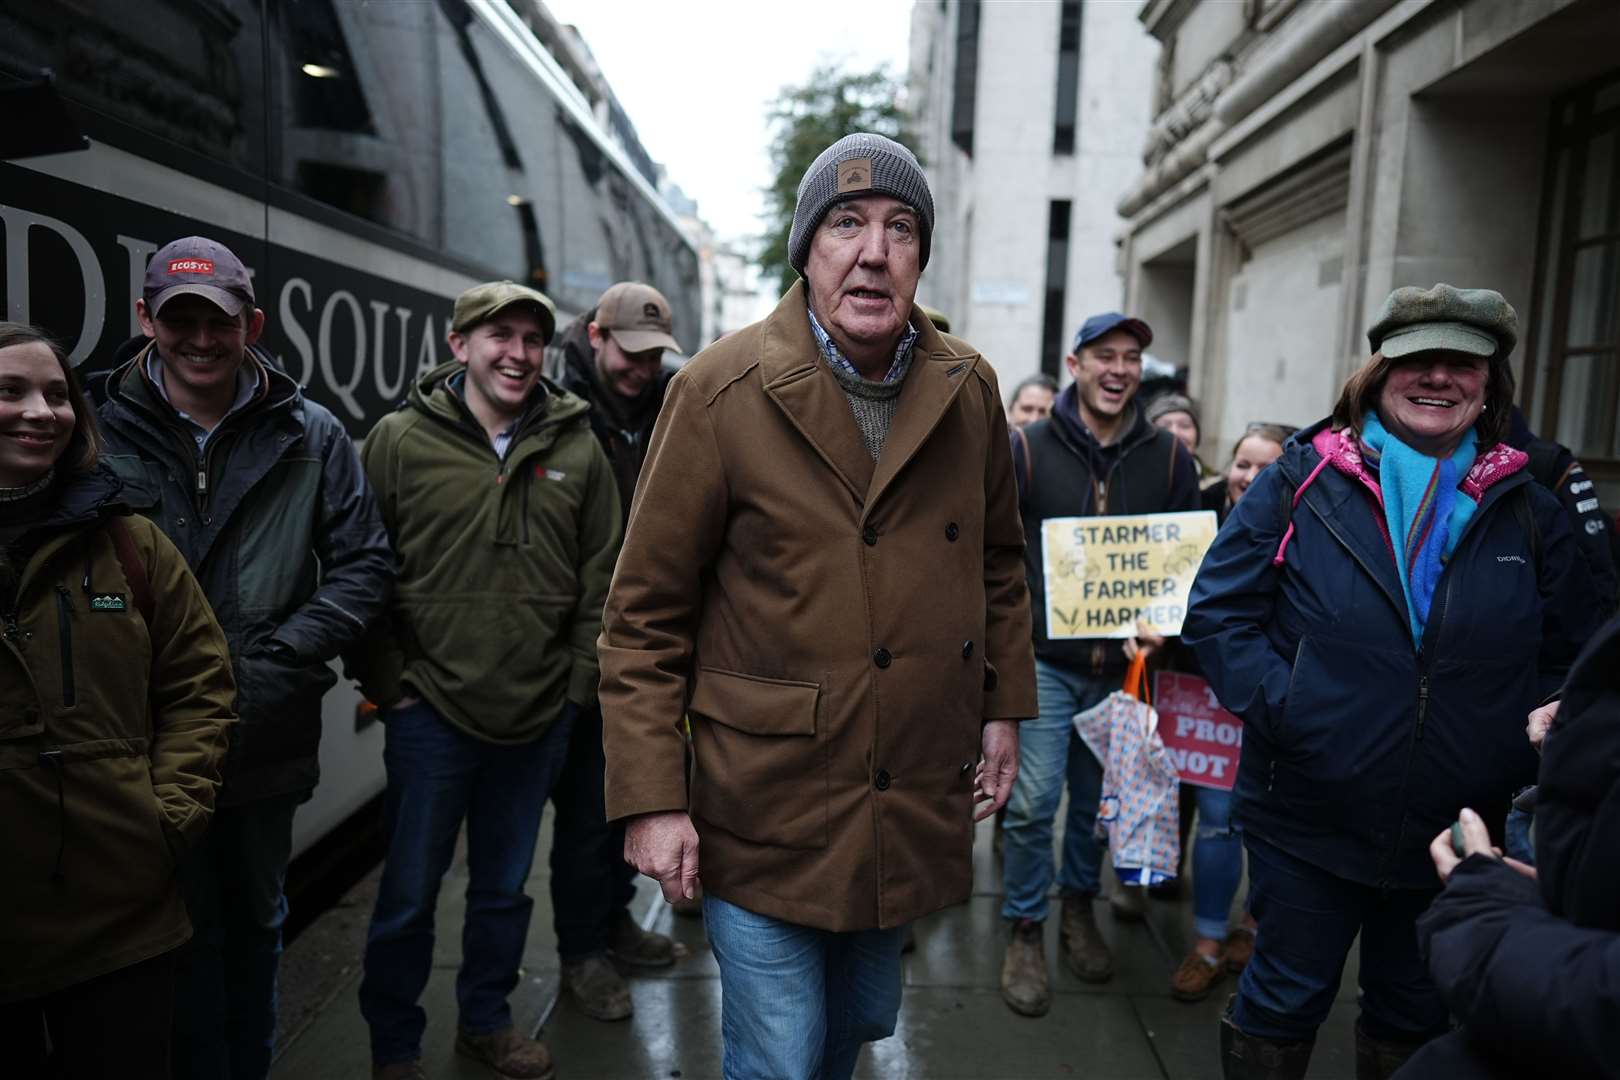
(696, 76)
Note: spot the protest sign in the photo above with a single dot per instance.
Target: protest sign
(1202, 739)
(1103, 574)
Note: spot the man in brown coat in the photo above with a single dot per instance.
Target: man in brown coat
(823, 574)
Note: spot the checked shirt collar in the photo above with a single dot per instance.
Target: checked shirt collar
(829, 351)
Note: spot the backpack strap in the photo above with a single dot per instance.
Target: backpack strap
(1025, 475)
(129, 559)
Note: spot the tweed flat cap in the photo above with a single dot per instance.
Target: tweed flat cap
(857, 165)
(1476, 321)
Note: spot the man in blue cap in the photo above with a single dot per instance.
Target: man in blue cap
(1097, 453)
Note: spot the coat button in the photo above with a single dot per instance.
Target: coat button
(952, 532)
(882, 658)
(869, 534)
(967, 650)
(881, 780)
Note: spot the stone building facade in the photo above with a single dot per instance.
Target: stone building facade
(1306, 157)
(1030, 121)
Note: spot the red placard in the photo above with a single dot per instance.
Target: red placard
(1203, 739)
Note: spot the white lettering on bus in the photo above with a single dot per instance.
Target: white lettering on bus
(344, 391)
(17, 224)
(139, 251)
(296, 335)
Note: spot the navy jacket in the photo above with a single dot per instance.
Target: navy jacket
(1359, 747)
(282, 530)
(1532, 968)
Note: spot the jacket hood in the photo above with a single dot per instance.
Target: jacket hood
(85, 497)
(127, 380)
(1066, 418)
(1578, 800)
(431, 394)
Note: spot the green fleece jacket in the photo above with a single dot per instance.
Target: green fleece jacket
(504, 563)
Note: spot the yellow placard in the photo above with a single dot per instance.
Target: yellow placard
(1103, 574)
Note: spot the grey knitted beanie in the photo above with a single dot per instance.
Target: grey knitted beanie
(857, 165)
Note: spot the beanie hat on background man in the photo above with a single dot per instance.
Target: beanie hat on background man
(857, 165)
(1165, 404)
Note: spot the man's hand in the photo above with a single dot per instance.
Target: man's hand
(664, 846)
(1145, 642)
(1540, 722)
(1476, 841)
(998, 767)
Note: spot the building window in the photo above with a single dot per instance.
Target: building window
(1068, 78)
(1573, 354)
(965, 90)
(1057, 287)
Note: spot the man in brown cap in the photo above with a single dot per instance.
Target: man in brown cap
(506, 520)
(613, 357)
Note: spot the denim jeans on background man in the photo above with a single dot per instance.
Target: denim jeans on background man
(1308, 919)
(798, 1003)
(438, 776)
(225, 976)
(591, 884)
(1050, 753)
(1217, 861)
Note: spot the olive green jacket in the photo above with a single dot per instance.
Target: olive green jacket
(112, 735)
(504, 563)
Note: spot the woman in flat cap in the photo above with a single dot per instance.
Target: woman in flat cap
(1382, 609)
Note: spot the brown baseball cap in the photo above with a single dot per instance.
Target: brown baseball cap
(638, 316)
(481, 302)
(197, 266)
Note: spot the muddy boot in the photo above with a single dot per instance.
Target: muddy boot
(1083, 948)
(1025, 985)
(510, 1053)
(597, 988)
(1377, 1059)
(634, 947)
(1129, 903)
(1244, 1057)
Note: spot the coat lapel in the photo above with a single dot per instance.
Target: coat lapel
(938, 373)
(795, 378)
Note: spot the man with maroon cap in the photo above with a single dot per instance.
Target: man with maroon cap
(613, 357)
(262, 491)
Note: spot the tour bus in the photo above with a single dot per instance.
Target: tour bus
(368, 162)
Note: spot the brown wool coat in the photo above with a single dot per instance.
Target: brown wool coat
(837, 631)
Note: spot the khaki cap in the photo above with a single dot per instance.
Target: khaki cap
(481, 302)
(638, 316)
(1479, 322)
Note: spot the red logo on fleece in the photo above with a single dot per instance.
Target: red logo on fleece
(191, 266)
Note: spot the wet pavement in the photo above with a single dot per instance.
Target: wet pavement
(952, 1022)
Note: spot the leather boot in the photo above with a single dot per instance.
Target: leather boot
(1244, 1057)
(1377, 1059)
(1025, 985)
(1082, 943)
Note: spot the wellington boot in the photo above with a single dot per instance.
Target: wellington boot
(1082, 944)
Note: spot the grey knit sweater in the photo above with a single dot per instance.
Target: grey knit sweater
(873, 403)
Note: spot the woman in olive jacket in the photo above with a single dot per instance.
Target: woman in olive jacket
(117, 694)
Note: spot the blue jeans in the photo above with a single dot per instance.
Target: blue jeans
(1049, 752)
(797, 1003)
(225, 976)
(1217, 863)
(438, 776)
(1308, 919)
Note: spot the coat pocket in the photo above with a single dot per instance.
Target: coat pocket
(761, 770)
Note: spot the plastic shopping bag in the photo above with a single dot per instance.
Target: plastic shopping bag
(1137, 816)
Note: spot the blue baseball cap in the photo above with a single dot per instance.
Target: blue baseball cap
(1109, 321)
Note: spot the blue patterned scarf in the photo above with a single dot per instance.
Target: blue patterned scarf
(1425, 511)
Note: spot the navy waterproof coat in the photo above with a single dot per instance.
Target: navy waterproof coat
(1359, 747)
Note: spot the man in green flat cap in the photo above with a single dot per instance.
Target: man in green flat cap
(505, 515)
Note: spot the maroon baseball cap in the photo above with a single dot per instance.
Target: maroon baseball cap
(200, 267)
